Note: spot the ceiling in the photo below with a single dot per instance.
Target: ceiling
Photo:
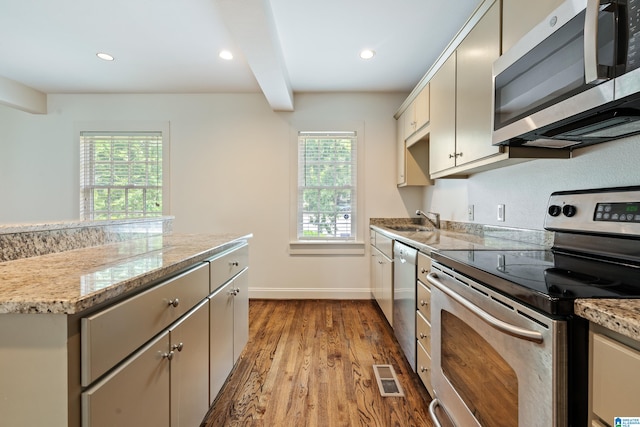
(171, 46)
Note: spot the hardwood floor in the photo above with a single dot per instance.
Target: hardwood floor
(309, 363)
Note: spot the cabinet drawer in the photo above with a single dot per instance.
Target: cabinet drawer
(135, 394)
(424, 368)
(424, 300)
(110, 335)
(227, 264)
(423, 332)
(424, 265)
(616, 378)
(384, 245)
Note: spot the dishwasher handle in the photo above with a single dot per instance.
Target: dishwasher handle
(500, 325)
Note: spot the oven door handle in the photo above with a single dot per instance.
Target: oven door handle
(510, 329)
(432, 411)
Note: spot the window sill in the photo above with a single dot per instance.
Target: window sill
(326, 247)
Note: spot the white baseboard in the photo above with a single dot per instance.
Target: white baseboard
(306, 293)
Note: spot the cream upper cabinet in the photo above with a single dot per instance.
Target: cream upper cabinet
(474, 89)
(461, 99)
(520, 16)
(412, 154)
(400, 149)
(442, 135)
(417, 113)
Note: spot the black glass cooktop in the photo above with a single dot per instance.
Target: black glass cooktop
(547, 280)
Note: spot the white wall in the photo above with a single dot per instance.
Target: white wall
(524, 189)
(230, 171)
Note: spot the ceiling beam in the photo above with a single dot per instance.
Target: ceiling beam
(25, 98)
(253, 29)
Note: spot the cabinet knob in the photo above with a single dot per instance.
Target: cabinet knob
(234, 263)
(178, 347)
(423, 369)
(168, 356)
(423, 302)
(174, 302)
(452, 156)
(423, 270)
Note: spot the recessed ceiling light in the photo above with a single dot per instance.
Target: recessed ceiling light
(225, 54)
(104, 56)
(367, 54)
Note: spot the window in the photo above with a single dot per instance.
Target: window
(327, 182)
(121, 175)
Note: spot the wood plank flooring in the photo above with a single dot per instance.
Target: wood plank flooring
(309, 363)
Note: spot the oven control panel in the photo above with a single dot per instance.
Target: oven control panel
(607, 211)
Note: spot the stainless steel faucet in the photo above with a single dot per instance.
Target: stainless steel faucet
(436, 222)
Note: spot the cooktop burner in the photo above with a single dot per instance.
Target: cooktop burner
(544, 279)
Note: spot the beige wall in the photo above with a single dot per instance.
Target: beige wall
(230, 171)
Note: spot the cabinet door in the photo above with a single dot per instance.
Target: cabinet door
(442, 138)
(400, 151)
(409, 120)
(135, 394)
(240, 313)
(220, 338)
(474, 92)
(520, 16)
(421, 108)
(386, 287)
(189, 340)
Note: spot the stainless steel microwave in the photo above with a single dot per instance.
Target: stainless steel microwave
(573, 80)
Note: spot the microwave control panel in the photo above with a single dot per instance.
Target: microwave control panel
(633, 28)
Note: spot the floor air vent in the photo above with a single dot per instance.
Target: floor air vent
(387, 380)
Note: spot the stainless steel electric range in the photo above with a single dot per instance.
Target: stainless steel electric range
(508, 348)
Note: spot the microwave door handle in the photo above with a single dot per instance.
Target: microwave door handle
(500, 325)
(592, 74)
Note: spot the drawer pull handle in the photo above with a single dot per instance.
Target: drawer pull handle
(174, 302)
(178, 346)
(234, 263)
(168, 356)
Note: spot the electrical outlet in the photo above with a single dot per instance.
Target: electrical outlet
(501, 213)
(470, 213)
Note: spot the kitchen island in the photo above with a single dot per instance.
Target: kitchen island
(44, 299)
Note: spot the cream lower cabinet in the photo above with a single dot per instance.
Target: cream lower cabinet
(189, 348)
(615, 377)
(382, 273)
(135, 394)
(162, 384)
(229, 316)
(423, 322)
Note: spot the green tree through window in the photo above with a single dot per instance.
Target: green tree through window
(327, 171)
(121, 175)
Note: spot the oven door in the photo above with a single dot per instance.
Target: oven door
(495, 362)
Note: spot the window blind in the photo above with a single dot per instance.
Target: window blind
(327, 184)
(120, 175)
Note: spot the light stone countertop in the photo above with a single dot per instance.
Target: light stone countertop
(72, 281)
(618, 315)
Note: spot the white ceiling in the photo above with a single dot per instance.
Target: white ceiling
(172, 46)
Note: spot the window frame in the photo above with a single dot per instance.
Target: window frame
(353, 246)
(123, 128)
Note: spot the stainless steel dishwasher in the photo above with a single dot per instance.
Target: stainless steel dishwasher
(404, 299)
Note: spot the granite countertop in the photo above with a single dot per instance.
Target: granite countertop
(431, 240)
(618, 315)
(72, 281)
